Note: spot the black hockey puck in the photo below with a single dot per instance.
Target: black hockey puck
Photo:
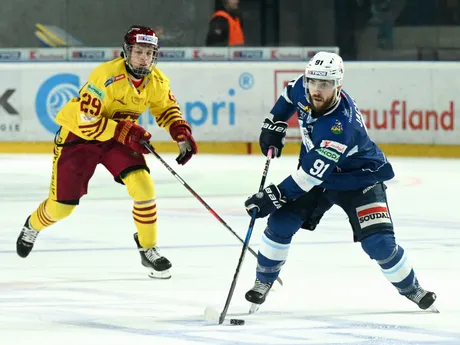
(236, 322)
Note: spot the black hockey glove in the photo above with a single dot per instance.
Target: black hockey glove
(273, 135)
(265, 202)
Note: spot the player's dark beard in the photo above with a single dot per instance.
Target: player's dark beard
(327, 104)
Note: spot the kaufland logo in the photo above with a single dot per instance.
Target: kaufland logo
(312, 53)
(277, 55)
(37, 55)
(407, 115)
(203, 55)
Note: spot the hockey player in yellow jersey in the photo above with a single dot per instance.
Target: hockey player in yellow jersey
(100, 127)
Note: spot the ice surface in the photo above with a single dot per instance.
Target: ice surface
(84, 284)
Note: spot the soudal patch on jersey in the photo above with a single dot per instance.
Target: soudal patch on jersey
(337, 128)
(114, 79)
(334, 145)
(372, 214)
(94, 90)
(149, 39)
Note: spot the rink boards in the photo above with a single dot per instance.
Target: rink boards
(410, 108)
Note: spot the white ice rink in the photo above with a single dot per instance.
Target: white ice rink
(84, 284)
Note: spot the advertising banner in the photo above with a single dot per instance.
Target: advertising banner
(11, 110)
(166, 54)
(400, 102)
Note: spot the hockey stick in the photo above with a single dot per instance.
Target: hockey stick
(149, 147)
(211, 314)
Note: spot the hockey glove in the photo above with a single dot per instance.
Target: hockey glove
(273, 135)
(130, 134)
(181, 133)
(265, 202)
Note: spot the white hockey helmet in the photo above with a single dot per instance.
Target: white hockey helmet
(325, 66)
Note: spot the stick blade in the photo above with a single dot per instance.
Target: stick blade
(212, 315)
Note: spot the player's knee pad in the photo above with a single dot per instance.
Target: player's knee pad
(380, 246)
(140, 185)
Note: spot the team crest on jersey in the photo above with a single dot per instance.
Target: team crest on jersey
(373, 214)
(337, 128)
(137, 100)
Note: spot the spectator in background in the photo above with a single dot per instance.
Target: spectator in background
(382, 18)
(225, 27)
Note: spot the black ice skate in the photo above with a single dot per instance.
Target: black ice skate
(26, 239)
(158, 265)
(424, 299)
(257, 295)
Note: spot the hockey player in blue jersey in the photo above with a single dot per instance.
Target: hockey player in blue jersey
(338, 165)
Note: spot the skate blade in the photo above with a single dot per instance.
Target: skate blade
(433, 309)
(159, 274)
(254, 308)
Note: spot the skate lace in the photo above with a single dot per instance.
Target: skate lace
(417, 295)
(29, 235)
(261, 287)
(152, 254)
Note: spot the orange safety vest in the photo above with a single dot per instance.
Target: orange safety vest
(235, 32)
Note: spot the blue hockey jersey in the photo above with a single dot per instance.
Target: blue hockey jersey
(337, 152)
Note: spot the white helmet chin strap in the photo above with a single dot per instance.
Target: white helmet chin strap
(336, 97)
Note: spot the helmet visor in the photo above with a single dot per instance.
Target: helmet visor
(319, 84)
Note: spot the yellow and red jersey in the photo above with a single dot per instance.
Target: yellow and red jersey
(109, 96)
